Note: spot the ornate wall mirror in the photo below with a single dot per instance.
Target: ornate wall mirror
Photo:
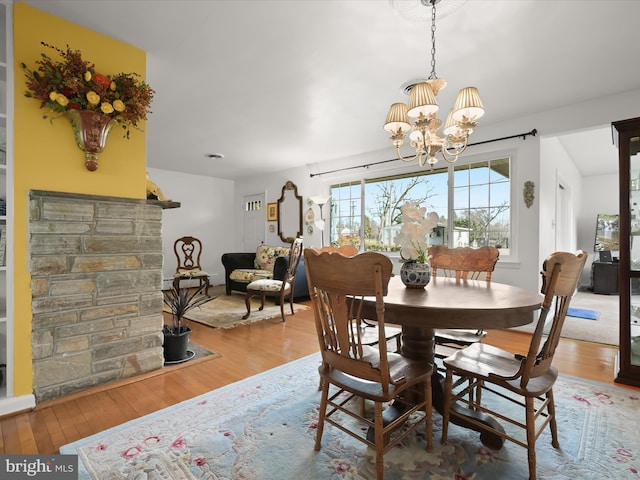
(289, 213)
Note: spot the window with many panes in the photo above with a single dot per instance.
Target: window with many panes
(472, 202)
(481, 204)
(346, 214)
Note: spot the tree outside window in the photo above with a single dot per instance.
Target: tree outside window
(478, 215)
(481, 205)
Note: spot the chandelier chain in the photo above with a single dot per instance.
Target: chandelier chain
(433, 40)
(418, 122)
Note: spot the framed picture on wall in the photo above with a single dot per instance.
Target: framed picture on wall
(607, 232)
(272, 212)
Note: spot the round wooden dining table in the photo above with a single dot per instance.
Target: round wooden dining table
(451, 303)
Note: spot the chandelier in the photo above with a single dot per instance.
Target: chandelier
(423, 109)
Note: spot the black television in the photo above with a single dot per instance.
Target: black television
(607, 232)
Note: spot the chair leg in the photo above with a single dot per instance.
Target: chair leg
(247, 302)
(428, 413)
(282, 309)
(553, 425)
(531, 436)
(291, 302)
(363, 406)
(446, 407)
(262, 296)
(379, 434)
(322, 413)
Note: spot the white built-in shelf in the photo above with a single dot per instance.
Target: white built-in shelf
(8, 403)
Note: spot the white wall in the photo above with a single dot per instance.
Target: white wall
(211, 207)
(600, 195)
(591, 114)
(530, 224)
(525, 167)
(271, 186)
(206, 212)
(558, 167)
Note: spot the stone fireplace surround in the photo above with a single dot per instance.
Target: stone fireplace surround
(96, 285)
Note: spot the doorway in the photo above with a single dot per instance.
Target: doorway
(564, 215)
(253, 221)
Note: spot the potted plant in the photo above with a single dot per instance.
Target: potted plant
(176, 334)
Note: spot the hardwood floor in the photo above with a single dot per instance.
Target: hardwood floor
(245, 351)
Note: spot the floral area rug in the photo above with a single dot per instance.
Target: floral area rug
(226, 311)
(264, 428)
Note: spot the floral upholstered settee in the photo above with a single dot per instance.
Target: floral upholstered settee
(266, 262)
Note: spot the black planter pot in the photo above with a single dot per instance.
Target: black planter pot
(175, 345)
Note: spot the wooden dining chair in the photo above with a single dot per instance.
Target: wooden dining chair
(350, 370)
(188, 251)
(272, 287)
(369, 328)
(462, 263)
(346, 250)
(526, 380)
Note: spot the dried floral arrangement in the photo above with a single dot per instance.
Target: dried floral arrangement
(73, 83)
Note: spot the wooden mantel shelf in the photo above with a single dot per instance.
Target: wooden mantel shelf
(162, 204)
(165, 203)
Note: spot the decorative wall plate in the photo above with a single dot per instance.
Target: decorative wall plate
(309, 216)
(272, 228)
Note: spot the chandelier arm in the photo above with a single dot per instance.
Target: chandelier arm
(450, 157)
(407, 159)
(458, 151)
(425, 148)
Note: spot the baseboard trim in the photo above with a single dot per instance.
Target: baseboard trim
(19, 404)
(125, 381)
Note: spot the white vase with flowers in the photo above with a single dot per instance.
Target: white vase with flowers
(413, 239)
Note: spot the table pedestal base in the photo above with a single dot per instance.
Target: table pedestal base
(418, 344)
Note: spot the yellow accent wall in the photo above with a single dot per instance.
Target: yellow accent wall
(47, 158)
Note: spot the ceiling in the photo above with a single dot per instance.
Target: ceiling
(593, 151)
(274, 84)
